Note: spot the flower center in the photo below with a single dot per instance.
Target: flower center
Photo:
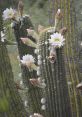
(56, 39)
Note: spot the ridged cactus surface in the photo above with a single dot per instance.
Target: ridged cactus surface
(71, 58)
(34, 94)
(10, 101)
(54, 74)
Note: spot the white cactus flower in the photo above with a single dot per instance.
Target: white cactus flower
(43, 107)
(43, 100)
(9, 13)
(27, 59)
(57, 40)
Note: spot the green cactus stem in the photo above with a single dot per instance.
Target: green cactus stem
(10, 101)
(34, 94)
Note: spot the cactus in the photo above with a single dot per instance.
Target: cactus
(71, 55)
(54, 74)
(10, 101)
(54, 65)
(34, 93)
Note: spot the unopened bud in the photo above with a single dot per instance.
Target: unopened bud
(59, 15)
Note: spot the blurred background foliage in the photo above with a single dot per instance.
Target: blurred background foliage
(38, 11)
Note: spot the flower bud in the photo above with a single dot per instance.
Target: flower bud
(59, 15)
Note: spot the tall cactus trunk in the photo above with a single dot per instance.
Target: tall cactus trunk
(72, 74)
(63, 100)
(34, 93)
(10, 101)
(57, 96)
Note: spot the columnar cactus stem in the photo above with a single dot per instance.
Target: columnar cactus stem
(34, 93)
(70, 54)
(54, 75)
(10, 101)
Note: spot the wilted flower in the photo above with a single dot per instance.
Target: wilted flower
(38, 82)
(43, 100)
(18, 86)
(52, 57)
(34, 82)
(57, 40)
(9, 13)
(43, 107)
(24, 40)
